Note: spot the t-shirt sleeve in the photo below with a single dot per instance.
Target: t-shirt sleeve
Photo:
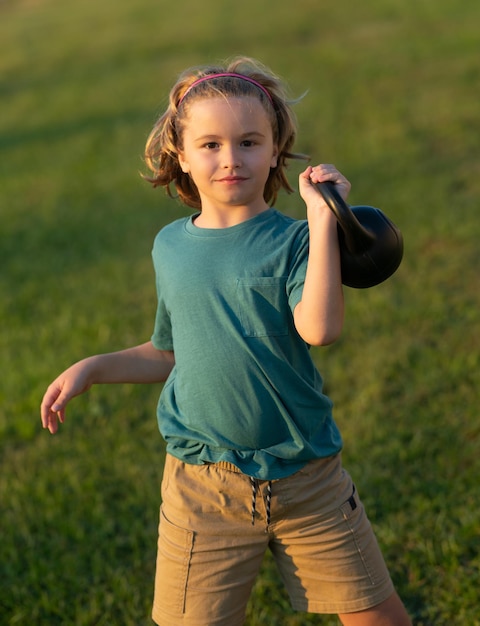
(162, 332)
(298, 267)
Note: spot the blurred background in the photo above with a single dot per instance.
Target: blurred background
(392, 99)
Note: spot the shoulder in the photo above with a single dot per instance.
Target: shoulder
(288, 223)
(173, 230)
(294, 229)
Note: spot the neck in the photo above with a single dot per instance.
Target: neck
(215, 218)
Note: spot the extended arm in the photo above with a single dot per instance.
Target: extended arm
(319, 315)
(141, 364)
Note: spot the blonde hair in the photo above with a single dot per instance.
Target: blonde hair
(165, 139)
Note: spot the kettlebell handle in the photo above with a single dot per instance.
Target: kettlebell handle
(371, 246)
(357, 238)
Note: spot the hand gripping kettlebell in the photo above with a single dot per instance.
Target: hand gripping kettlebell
(371, 246)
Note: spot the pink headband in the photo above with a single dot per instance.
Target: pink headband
(225, 75)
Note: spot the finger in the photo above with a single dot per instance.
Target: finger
(48, 400)
(49, 421)
(324, 172)
(306, 173)
(329, 173)
(52, 424)
(53, 420)
(52, 408)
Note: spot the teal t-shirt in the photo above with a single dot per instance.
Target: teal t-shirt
(244, 388)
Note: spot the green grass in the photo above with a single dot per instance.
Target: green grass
(392, 100)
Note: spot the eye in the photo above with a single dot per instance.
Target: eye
(248, 143)
(211, 145)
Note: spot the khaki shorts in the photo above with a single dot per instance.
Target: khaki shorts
(209, 552)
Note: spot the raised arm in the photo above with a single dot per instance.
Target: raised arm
(319, 315)
(140, 364)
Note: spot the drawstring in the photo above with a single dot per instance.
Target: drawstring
(268, 499)
(253, 483)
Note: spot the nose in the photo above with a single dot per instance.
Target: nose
(231, 157)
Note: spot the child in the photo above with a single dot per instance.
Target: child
(253, 453)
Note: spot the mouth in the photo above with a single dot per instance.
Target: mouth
(230, 180)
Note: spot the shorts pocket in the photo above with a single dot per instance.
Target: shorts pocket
(362, 534)
(263, 305)
(173, 563)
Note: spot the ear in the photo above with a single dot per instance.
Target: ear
(183, 163)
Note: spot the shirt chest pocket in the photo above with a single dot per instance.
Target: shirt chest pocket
(263, 306)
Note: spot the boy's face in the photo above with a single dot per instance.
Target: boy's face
(228, 150)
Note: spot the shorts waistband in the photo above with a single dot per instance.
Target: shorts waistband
(226, 465)
(254, 483)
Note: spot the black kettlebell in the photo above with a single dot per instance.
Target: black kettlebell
(371, 246)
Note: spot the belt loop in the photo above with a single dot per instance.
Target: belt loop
(351, 500)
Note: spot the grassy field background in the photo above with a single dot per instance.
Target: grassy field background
(393, 102)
